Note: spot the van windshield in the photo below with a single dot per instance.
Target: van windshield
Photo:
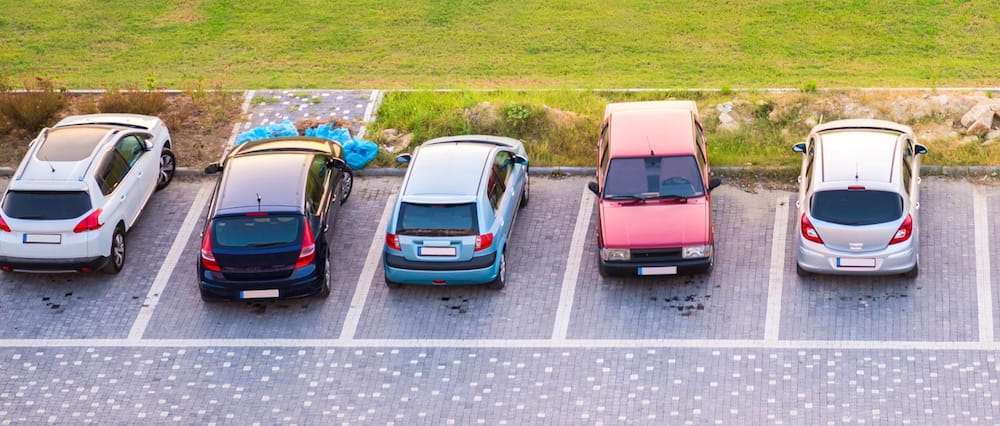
(437, 219)
(46, 205)
(256, 231)
(854, 207)
(648, 177)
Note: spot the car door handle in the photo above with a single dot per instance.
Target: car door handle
(140, 174)
(123, 197)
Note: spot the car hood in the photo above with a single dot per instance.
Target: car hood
(655, 224)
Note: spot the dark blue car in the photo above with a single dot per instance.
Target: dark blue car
(270, 222)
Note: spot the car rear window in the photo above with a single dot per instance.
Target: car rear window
(854, 207)
(654, 176)
(46, 205)
(256, 231)
(437, 219)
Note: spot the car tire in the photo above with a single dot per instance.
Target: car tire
(346, 185)
(912, 273)
(526, 192)
(801, 272)
(116, 259)
(168, 166)
(501, 280)
(324, 292)
(392, 284)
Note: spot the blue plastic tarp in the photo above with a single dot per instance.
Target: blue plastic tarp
(357, 152)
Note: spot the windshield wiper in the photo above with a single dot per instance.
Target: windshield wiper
(278, 243)
(623, 197)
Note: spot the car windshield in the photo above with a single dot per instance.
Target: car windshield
(857, 207)
(46, 205)
(437, 219)
(652, 177)
(256, 231)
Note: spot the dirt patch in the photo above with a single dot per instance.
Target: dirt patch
(200, 123)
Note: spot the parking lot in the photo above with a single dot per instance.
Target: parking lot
(558, 342)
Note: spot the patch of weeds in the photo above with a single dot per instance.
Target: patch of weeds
(726, 91)
(301, 95)
(808, 87)
(315, 101)
(32, 109)
(146, 102)
(258, 100)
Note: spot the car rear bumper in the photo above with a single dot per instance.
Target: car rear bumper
(480, 270)
(683, 267)
(82, 264)
(895, 259)
(214, 286)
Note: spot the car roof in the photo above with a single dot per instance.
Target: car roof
(62, 154)
(277, 178)
(447, 169)
(858, 155)
(646, 132)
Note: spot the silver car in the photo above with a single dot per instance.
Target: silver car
(859, 194)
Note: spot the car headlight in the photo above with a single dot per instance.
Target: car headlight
(613, 254)
(693, 252)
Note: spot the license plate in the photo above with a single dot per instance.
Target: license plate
(657, 270)
(855, 262)
(436, 251)
(42, 238)
(258, 294)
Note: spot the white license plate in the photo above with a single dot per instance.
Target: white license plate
(258, 294)
(855, 263)
(42, 238)
(657, 270)
(436, 251)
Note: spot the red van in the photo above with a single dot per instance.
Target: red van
(653, 184)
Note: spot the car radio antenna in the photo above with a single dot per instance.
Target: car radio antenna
(258, 201)
(856, 171)
(650, 144)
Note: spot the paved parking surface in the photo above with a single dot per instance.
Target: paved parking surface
(749, 343)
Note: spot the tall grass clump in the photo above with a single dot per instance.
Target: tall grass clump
(146, 102)
(32, 109)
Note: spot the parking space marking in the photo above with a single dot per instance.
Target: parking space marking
(169, 263)
(367, 274)
(573, 260)
(772, 318)
(984, 290)
(869, 345)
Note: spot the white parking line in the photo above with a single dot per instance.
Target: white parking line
(372, 262)
(867, 345)
(772, 319)
(573, 260)
(984, 291)
(169, 263)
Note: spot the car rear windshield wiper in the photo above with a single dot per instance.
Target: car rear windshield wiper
(277, 243)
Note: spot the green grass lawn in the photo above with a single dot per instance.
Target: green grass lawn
(500, 44)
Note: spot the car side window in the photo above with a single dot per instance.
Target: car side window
(810, 160)
(495, 187)
(503, 163)
(130, 148)
(907, 164)
(605, 148)
(111, 171)
(316, 183)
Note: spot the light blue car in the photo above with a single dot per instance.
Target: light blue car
(455, 212)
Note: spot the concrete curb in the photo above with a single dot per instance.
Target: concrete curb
(926, 170)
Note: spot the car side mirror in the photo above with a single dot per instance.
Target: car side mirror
(404, 158)
(714, 183)
(799, 147)
(592, 186)
(519, 159)
(337, 163)
(920, 149)
(213, 168)
(147, 145)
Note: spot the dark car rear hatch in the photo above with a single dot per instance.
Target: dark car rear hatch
(257, 246)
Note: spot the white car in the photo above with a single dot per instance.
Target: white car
(78, 191)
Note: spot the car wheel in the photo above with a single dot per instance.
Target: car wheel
(913, 273)
(501, 280)
(801, 272)
(525, 193)
(346, 184)
(117, 260)
(325, 291)
(168, 165)
(392, 284)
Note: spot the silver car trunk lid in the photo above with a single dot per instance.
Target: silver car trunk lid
(856, 239)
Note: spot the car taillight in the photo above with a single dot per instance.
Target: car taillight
(904, 231)
(3, 225)
(207, 257)
(308, 252)
(484, 241)
(808, 231)
(392, 241)
(89, 223)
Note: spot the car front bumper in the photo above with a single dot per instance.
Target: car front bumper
(683, 267)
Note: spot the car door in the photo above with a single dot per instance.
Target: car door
(132, 189)
(318, 195)
(503, 173)
(110, 177)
